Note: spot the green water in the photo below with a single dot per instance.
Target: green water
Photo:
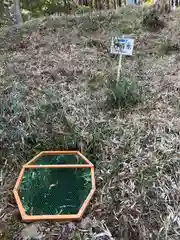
(54, 191)
(59, 159)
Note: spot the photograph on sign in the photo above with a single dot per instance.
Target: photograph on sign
(122, 46)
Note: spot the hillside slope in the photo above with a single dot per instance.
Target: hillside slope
(53, 95)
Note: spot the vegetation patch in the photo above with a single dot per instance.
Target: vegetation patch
(57, 92)
(152, 20)
(125, 94)
(168, 47)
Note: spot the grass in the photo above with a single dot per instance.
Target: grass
(124, 94)
(83, 10)
(96, 80)
(152, 20)
(60, 101)
(168, 47)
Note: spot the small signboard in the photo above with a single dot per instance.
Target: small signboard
(122, 46)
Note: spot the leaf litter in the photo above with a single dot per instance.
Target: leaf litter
(45, 100)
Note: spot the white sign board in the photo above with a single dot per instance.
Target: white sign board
(122, 46)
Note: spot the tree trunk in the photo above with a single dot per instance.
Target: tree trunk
(90, 4)
(17, 14)
(119, 3)
(107, 4)
(99, 5)
(95, 4)
(2, 12)
(85, 2)
(114, 3)
(1, 6)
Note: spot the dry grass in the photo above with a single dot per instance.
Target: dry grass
(125, 94)
(152, 20)
(46, 103)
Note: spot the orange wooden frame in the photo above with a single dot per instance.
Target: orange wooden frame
(45, 153)
(69, 217)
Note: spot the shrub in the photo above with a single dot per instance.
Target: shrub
(124, 94)
(151, 20)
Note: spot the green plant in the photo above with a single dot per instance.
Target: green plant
(95, 81)
(125, 27)
(89, 25)
(124, 94)
(151, 20)
(126, 30)
(83, 9)
(167, 47)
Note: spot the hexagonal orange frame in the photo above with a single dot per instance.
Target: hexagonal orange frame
(68, 217)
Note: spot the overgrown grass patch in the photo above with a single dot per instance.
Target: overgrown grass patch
(125, 94)
(89, 25)
(138, 185)
(98, 43)
(125, 28)
(32, 124)
(136, 154)
(152, 20)
(96, 80)
(167, 47)
(83, 10)
(94, 145)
